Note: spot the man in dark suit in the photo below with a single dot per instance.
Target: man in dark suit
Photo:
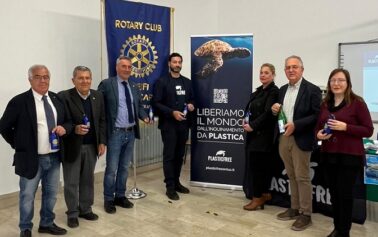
(83, 146)
(173, 98)
(123, 108)
(300, 101)
(32, 124)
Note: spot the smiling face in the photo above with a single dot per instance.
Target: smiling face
(338, 84)
(123, 68)
(40, 80)
(293, 70)
(82, 81)
(266, 75)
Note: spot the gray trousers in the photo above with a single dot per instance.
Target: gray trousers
(79, 182)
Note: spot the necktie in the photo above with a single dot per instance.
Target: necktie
(49, 114)
(128, 102)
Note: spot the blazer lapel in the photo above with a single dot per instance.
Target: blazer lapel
(76, 100)
(94, 104)
(114, 84)
(32, 112)
(302, 89)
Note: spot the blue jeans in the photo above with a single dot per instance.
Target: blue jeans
(48, 173)
(120, 153)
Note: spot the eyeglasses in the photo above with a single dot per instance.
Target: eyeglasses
(294, 67)
(334, 80)
(39, 77)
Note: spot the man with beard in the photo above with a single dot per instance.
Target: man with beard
(173, 102)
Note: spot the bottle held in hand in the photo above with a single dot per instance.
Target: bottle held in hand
(54, 141)
(327, 130)
(185, 111)
(281, 121)
(246, 117)
(151, 114)
(86, 121)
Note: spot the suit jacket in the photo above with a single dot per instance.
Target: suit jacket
(165, 100)
(74, 107)
(306, 110)
(18, 126)
(109, 89)
(261, 119)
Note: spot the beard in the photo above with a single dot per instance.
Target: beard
(176, 69)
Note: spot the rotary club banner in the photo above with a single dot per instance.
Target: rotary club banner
(222, 83)
(141, 32)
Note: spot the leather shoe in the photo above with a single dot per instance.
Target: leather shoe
(171, 194)
(109, 207)
(25, 233)
(72, 222)
(123, 202)
(181, 189)
(53, 230)
(90, 216)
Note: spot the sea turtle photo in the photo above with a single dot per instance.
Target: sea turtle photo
(216, 51)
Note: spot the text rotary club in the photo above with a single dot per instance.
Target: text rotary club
(137, 25)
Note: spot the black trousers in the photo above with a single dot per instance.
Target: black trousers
(174, 139)
(341, 177)
(260, 176)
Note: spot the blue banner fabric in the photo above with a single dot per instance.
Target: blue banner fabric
(141, 32)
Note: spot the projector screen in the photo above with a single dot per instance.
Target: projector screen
(361, 60)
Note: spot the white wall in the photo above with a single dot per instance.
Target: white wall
(63, 34)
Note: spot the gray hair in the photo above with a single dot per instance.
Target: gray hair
(81, 69)
(295, 57)
(36, 67)
(122, 58)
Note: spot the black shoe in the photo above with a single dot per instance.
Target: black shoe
(53, 230)
(89, 216)
(25, 233)
(123, 202)
(171, 194)
(181, 189)
(109, 207)
(72, 222)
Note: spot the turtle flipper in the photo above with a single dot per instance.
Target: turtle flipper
(212, 66)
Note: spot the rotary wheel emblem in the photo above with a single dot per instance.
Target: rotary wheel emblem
(142, 53)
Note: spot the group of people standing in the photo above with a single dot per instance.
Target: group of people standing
(339, 121)
(77, 126)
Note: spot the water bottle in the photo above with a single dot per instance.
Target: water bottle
(151, 114)
(281, 121)
(246, 118)
(327, 130)
(185, 111)
(54, 141)
(86, 121)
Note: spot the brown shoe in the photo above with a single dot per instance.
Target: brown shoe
(255, 204)
(289, 214)
(302, 222)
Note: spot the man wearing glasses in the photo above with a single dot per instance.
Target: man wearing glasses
(300, 102)
(83, 145)
(32, 124)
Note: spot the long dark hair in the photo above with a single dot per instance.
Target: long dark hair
(349, 95)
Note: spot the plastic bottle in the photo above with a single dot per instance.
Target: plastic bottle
(281, 120)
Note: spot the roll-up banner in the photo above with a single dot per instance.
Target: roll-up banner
(222, 82)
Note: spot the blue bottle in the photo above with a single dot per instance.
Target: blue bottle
(86, 121)
(185, 111)
(327, 130)
(246, 118)
(151, 114)
(54, 141)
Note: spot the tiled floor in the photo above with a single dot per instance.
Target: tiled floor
(203, 212)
